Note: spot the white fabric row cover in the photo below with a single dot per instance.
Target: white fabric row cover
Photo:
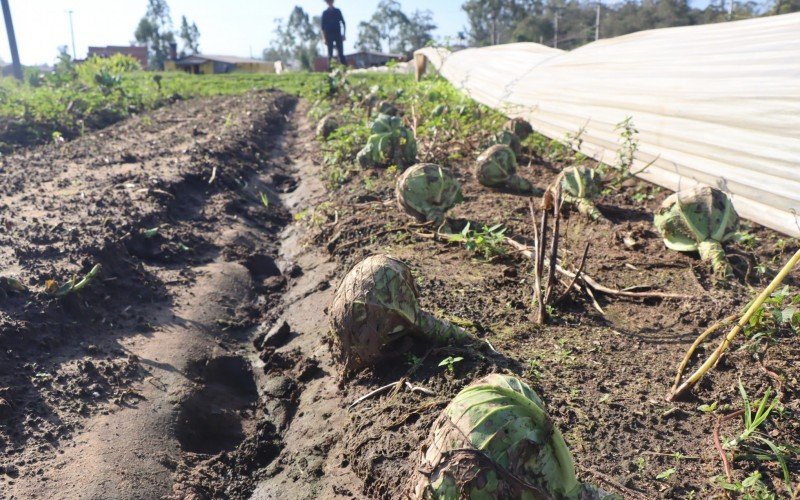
(717, 104)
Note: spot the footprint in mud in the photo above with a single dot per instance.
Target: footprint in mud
(215, 417)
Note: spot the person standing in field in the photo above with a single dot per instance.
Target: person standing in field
(333, 30)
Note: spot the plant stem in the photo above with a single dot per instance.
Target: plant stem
(711, 250)
(440, 330)
(712, 360)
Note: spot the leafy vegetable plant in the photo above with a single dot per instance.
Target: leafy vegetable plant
(450, 362)
(73, 285)
(326, 126)
(580, 187)
(519, 127)
(390, 143)
(427, 191)
(699, 219)
(497, 167)
(488, 242)
(377, 303)
(495, 441)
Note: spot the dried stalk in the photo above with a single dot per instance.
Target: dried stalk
(543, 283)
(577, 274)
(590, 282)
(755, 306)
(685, 361)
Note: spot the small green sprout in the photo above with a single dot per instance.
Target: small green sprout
(450, 363)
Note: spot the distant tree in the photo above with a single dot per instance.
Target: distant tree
(155, 31)
(392, 30)
(786, 6)
(369, 37)
(503, 21)
(295, 39)
(492, 21)
(419, 31)
(190, 36)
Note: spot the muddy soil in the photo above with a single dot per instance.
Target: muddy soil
(107, 392)
(603, 369)
(197, 364)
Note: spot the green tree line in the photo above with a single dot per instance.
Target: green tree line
(572, 23)
(565, 23)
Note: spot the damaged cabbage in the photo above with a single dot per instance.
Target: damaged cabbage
(580, 186)
(699, 219)
(386, 108)
(495, 441)
(326, 126)
(519, 127)
(510, 139)
(390, 143)
(427, 191)
(497, 168)
(376, 304)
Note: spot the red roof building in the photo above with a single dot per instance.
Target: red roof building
(136, 52)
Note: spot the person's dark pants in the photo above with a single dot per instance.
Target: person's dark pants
(330, 41)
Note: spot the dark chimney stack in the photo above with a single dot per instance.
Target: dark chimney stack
(173, 51)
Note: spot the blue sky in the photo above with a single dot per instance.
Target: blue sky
(230, 27)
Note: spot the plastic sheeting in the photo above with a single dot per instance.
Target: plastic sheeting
(716, 104)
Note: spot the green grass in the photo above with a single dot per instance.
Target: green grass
(76, 99)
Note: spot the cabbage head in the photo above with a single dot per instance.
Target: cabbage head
(497, 168)
(427, 191)
(519, 127)
(326, 126)
(377, 303)
(494, 441)
(579, 187)
(390, 143)
(699, 219)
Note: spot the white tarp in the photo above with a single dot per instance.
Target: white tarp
(717, 104)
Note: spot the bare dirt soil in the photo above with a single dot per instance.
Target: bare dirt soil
(197, 364)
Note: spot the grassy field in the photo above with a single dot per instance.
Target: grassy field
(79, 98)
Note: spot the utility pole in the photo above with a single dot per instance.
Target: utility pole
(597, 24)
(730, 10)
(12, 41)
(72, 34)
(555, 36)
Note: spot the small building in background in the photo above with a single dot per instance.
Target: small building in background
(360, 60)
(137, 52)
(204, 64)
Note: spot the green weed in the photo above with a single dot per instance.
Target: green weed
(488, 242)
(450, 363)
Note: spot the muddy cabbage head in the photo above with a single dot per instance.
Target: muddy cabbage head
(386, 108)
(495, 441)
(326, 126)
(497, 167)
(580, 186)
(510, 139)
(699, 219)
(376, 304)
(390, 142)
(427, 191)
(519, 127)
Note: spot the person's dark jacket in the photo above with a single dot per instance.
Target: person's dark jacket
(332, 22)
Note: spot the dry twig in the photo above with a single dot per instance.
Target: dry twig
(589, 281)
